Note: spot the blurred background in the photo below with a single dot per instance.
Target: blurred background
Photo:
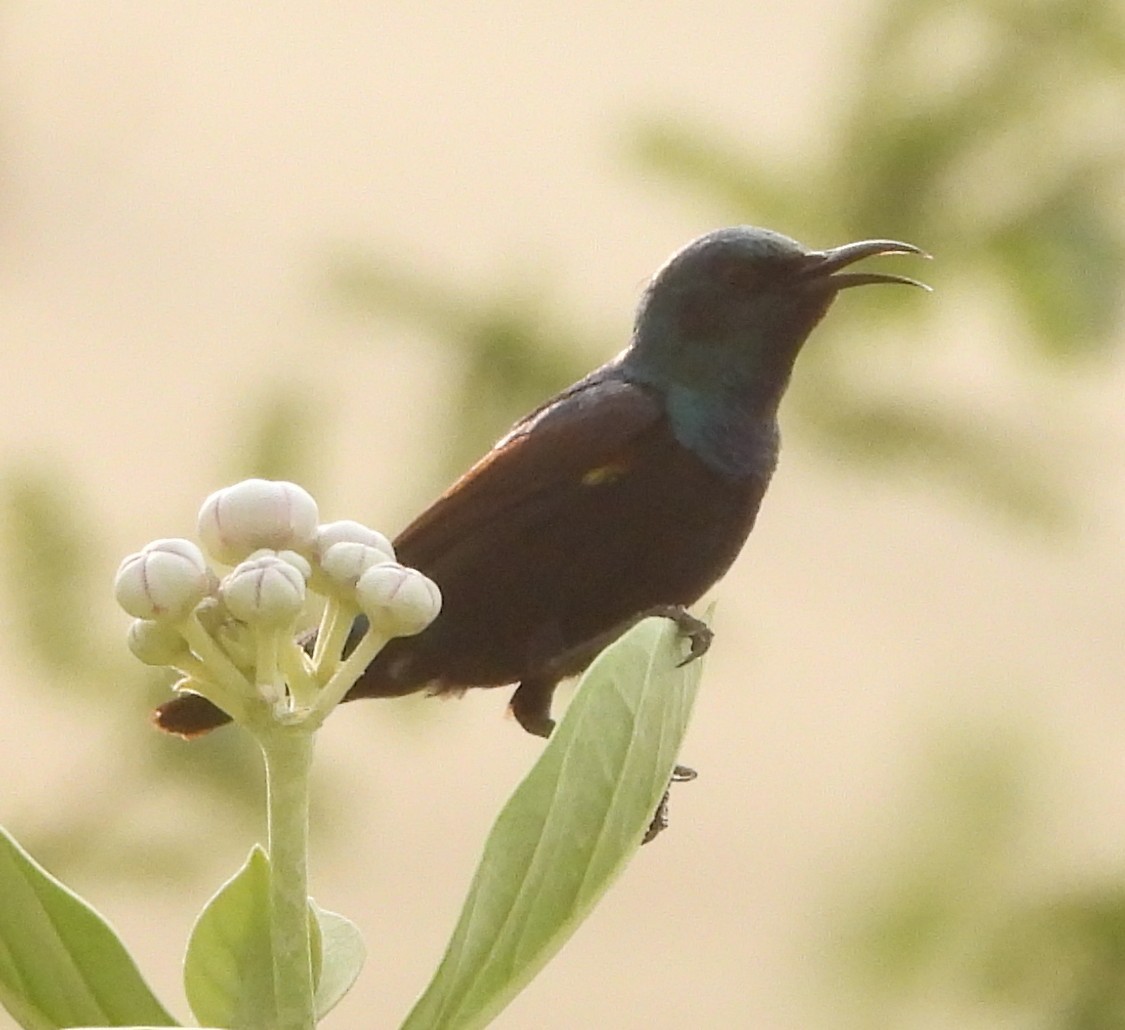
(348, 243)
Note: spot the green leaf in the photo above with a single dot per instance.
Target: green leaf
(569, 828)
(61, 964)
(228, 970)
(342, 954)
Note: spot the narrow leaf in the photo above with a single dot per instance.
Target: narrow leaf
(61, 964)
(569, 828)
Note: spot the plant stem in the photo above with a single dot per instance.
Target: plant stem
(335, 625)
(345, 675)
(230, 688)
(288, 757)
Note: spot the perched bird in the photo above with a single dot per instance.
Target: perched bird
(629, 493)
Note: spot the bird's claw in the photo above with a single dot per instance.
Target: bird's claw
(699, 634)
(700, 638)
(659, 822)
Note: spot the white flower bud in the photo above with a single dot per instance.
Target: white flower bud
(157, 643)
(298, 561)
(164, 580)
(398, 601)
(344, 563)
(347, 531)
(238, 520)
(265, 590)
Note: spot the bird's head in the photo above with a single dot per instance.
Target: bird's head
(730, 311)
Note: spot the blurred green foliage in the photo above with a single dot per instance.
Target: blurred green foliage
(510, 350)
(276, 437)
(956, 916)
(47, 567)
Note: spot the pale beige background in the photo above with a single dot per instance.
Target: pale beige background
(172, 179)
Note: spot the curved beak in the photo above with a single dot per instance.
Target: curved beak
(824, 265)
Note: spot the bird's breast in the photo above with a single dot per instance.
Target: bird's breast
(669, 523)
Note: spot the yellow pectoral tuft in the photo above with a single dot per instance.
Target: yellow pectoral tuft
(604, 474)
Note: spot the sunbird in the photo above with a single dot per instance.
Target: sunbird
(629, 493)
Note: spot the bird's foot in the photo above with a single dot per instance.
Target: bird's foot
(696, 630)
(659, 823)
(531, 705)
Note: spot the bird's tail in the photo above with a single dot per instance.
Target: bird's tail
(189, 715)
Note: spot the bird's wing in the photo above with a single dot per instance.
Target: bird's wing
(569, 441)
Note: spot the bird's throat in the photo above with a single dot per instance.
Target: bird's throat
(728, 432)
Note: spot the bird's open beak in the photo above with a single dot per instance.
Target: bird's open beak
(825, 265)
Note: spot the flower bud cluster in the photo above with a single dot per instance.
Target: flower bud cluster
(233, 637)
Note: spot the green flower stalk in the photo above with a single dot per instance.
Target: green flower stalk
(234, 639)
